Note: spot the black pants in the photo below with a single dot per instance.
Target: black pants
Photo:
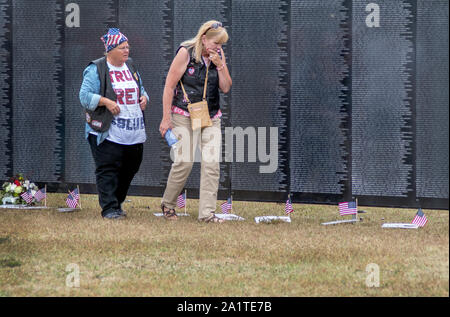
(115, 167)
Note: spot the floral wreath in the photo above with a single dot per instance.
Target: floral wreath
(12, 190)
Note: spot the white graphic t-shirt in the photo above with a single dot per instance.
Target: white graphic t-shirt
(128, 126)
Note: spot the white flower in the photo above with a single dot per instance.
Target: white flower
(18, 190)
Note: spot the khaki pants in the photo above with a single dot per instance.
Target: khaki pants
(209, 139)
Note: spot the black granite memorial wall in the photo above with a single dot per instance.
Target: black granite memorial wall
(331, 100)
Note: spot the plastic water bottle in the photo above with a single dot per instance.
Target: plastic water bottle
(171, 138)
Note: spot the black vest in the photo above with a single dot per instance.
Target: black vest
(194, 80)
(100, 119)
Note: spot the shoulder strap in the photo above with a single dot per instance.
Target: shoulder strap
(184, 92)
(206, 82)
(204, 87)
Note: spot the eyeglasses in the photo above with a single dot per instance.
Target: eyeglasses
(124, 48)
(214, 26)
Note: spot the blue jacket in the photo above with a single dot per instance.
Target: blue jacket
(90, 96)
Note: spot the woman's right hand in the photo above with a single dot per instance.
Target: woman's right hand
(110, 105)
(166, 124)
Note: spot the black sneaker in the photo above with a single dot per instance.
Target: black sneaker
(115, 215)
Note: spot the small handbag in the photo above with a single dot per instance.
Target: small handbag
(198, 111)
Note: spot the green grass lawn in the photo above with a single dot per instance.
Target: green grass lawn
(144, 255)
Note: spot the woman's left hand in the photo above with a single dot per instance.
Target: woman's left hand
(215, 57)
(143, 102)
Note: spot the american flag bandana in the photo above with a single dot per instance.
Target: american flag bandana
(113, 38)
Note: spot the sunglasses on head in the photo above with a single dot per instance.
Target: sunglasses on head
(214, 26)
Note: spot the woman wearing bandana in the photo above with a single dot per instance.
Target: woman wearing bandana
(114, 101)
(203, 55)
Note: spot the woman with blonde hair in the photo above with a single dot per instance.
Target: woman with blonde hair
(196, 59)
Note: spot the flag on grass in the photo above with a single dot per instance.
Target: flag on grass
(181, 201)
(288, 208)
(420, 219)
(27, 196)
(72, 199)
(40, 194)
(348, 208)
(226, 206)
(75, 194)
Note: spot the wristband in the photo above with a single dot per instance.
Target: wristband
(221, 67)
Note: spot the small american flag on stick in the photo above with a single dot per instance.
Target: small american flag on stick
(72, 199)
(181, 201)
(420, 219)
(27, 196)
(226, 206)
(76, 193)
(348, 208)
(40, 194)
(288, 207)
